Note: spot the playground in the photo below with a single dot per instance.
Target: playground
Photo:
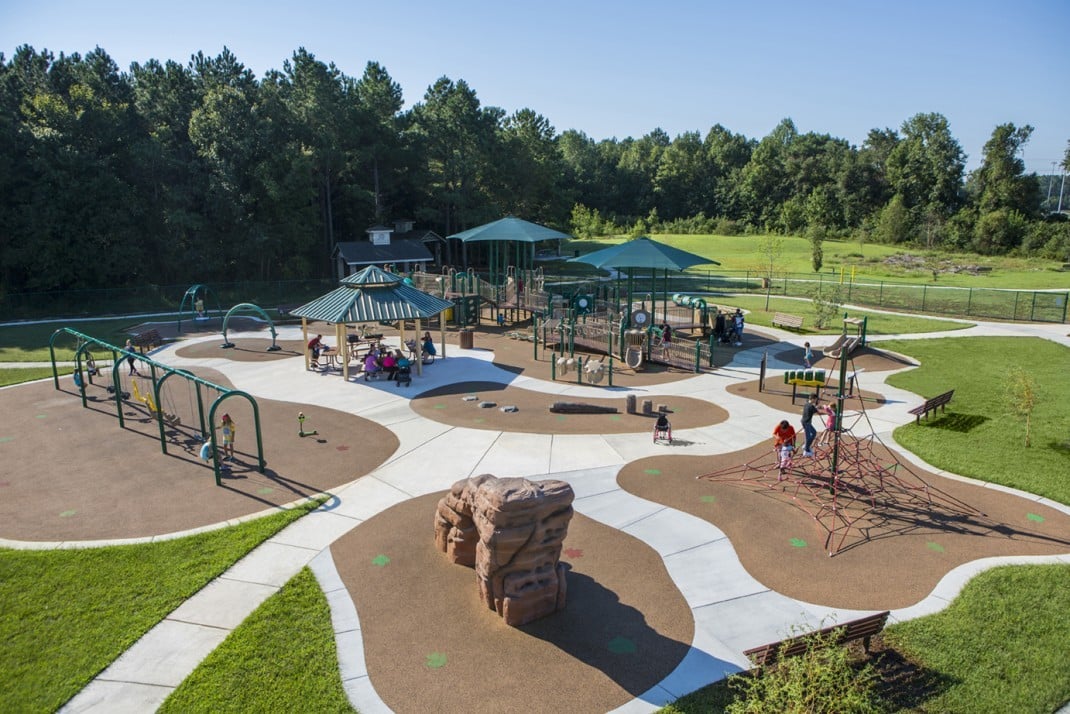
(671, 574)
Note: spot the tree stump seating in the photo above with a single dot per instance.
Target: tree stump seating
(148, 340)
(930, 405)
(783, 319)
(861, 629)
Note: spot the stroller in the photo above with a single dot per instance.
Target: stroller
(403, 376)
(663, 429)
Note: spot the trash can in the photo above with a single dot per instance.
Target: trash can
(466, 339)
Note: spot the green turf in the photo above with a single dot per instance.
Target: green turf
(877, 323)
(28, 342)
(978, 435)
(67, 614)
(1002, 646)
(281, 659)
(18, 375)
(859, 262)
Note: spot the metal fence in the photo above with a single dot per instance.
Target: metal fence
(979, 303)
(155, 298)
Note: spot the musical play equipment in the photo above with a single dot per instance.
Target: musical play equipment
(301, 426)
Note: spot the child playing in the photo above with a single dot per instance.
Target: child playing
(784, 444)
(830, 423)
(229, 428)
(808, 356)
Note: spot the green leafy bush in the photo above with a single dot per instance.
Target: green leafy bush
(822, 679)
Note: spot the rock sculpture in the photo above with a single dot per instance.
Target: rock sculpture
(511, 531)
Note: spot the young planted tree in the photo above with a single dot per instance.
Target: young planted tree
(828, 301)
(770, 248)
(1021, 394)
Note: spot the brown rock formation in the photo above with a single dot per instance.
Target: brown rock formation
(511, 531)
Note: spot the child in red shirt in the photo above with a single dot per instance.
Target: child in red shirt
(784, 443)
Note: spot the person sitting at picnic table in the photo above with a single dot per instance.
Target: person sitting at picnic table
(371, 363)
(428, 345)
(389, 364)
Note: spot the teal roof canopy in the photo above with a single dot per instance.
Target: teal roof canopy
(643, 252)
(373, 295)
(510, 228)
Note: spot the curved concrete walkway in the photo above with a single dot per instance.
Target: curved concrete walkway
(731, 610)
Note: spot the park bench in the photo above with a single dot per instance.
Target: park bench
(783, 319)
(930, 405)
(147, 340)
(861, 629)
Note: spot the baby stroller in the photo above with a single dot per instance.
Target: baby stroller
(663, 430)
(403, 376)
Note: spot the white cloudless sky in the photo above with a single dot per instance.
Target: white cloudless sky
(624, 68)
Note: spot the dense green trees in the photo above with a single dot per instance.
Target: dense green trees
(171, 173)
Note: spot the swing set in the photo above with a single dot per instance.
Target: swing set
(85, 370)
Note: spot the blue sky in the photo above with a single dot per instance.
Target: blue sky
(624, 68)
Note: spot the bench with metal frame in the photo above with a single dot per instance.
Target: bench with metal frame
(931, 405)
(861, 629)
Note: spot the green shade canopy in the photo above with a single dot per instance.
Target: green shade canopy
(372, 295)
(510, 229)
(643, 253)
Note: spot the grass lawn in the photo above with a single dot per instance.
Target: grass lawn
(282, 658)
(29, 342)
(18, 375)
(736, 253)
(1001, 646)
(67, 614)
(979, 436)
(877, 324)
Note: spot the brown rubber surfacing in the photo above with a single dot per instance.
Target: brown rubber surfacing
(73, 474)
(624, 629)
(900, 563)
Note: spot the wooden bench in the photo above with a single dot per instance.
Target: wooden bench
(861, 629)
(147, 340)
(783, 319)
(930, 405)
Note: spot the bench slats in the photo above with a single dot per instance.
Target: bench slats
(940, 401)
(783, 319)
(861, 629)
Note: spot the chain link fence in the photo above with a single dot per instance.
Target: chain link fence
(979, 303)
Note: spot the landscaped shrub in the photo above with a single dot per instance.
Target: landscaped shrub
(822, 679)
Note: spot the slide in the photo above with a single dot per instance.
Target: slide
(836, 348)
(634, 357)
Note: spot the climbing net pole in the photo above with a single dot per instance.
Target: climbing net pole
(855, 489)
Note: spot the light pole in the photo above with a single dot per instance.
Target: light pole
(1051, 182)
(1061, 185)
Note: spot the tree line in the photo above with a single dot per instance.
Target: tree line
(171, 173)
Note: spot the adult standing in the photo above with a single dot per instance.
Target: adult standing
(737, 327)
(130, 359)
(315, 346)
(808, 413)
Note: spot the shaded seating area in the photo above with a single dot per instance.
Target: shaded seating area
(371, 296)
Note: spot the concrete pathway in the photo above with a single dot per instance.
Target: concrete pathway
(731, 610)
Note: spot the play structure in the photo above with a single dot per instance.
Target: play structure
(846, 344)
(246, 307)
(197, 304)
(855, 489)
(158, 401)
